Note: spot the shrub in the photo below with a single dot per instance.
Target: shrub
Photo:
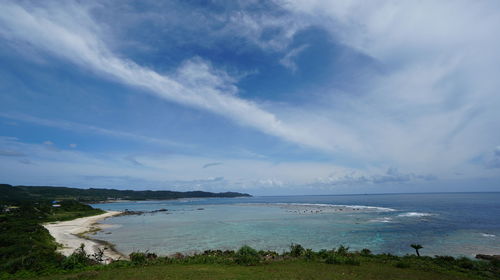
(138, 258)
(120, 263)
(402, 264)
(323, 253)
(352, 261)
(151, 256)
(79, 259)
(342, 250)
(296, 250)
(335, 258)
(178, 256)
(444, 260)
(495, 263)
(309, 254)
(247, 255)
(99, 255)
(466, 263)
(366, 252)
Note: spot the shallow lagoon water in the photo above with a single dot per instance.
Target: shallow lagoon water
(445, 224)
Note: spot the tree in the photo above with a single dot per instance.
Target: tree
(417, 247)
(247, 255)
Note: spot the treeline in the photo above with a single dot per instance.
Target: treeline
(25, 245)
(20, 193)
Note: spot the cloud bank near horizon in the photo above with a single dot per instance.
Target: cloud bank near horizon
(316, 88)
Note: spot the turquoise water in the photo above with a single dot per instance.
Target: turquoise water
(445, 224)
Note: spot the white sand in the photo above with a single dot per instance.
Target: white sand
(66, 233)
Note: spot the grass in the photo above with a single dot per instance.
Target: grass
(291, 269)
(27, 251)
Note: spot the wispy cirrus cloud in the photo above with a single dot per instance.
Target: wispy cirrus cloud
(288, 59)
(69, 31)
(78, 127)
(428, 106)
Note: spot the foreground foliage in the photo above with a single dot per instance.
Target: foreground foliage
(248, 263)
(25, 244)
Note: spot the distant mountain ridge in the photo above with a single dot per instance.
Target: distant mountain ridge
(20, 193)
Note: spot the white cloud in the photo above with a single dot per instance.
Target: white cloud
(84, 128)
(259, 176)
(68, 30)
(392, 175)
(253, 27)
(433, 107)
(289, 59)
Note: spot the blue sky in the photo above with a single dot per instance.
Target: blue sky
(265, 97)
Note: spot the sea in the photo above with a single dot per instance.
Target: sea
(455, 224)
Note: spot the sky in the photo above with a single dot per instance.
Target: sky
(269, 97)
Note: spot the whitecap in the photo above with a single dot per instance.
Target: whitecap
(414, 214)
(382, 220)
(352, 207)
(488, 235)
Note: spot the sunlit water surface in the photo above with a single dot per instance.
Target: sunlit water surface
(445, 224)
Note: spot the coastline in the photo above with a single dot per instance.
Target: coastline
(70, 234)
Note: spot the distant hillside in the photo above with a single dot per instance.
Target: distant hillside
(20, 193)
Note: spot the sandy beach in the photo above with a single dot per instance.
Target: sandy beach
(67, 233)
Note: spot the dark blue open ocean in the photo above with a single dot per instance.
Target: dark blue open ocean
(444, 224)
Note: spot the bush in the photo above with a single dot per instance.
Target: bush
(79, 259)
(342, 250)
(466, 263)
(138, 258)
(495, 263)
(335, 258)
(402, 265)
(323, 253)
(296, 250)
(247, 255)
(309, 254)
(445, 261)
(352, 261)
(178, 256)
(366, 252)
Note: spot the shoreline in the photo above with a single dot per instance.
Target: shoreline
(70, 234)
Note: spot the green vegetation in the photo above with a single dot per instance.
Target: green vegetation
(247, 263)
(246, 255)
(24, 243)
(27, 251)
(28, 193)
(417, 247)
(27, 247)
